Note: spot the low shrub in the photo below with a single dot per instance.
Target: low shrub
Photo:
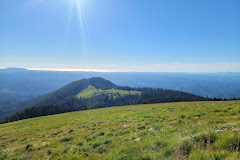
(168, 151)
(84, 149)
(182, 116)
(96, 144)
(71, 130)
(29, 147)
(156, 127)
(198, 142)
(101, 133)
(80, 143)
(123, 132)
(107, 142)
(49, 152)
(65, 149)
(102, 148)
(66, 139)
(186, 147)
(89, 138)
(141, 127)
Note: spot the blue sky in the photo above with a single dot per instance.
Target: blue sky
(121, 35)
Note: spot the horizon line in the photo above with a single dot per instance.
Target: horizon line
(107, 70)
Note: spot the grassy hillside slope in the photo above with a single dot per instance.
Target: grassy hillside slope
(92, 91)
(183, 130)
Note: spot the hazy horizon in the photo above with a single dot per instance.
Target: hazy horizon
(113, 71)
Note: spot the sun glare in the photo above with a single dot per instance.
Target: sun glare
(76, 6)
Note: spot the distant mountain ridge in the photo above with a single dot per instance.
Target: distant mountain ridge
(15, 69)
(106, 94)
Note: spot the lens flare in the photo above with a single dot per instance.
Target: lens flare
(78, 5)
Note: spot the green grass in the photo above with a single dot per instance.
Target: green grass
(184, 130)
(92, 91)
(88, 92)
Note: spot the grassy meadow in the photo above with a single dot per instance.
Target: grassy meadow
(92, 91)
(183, 130)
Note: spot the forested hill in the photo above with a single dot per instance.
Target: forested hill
(66, 94)
(96, 93)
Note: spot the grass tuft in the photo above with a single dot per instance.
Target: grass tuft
(66, 139)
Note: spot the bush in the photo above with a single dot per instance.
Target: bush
(168, 151)
(122, 132)
(100, 133)
(107, 142)
(179, 121)
(186, 147)
(71, 130)
(182, 116)
(110, 133)
(29, 147)
(141, 127)
(66, 139)
(84, 149)
(65, 149)
(102, 148)
(156, 127)
(96, 144)
(49, 151)
(89, 138)
(206, 139)
(80, 143)
(199, 142)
